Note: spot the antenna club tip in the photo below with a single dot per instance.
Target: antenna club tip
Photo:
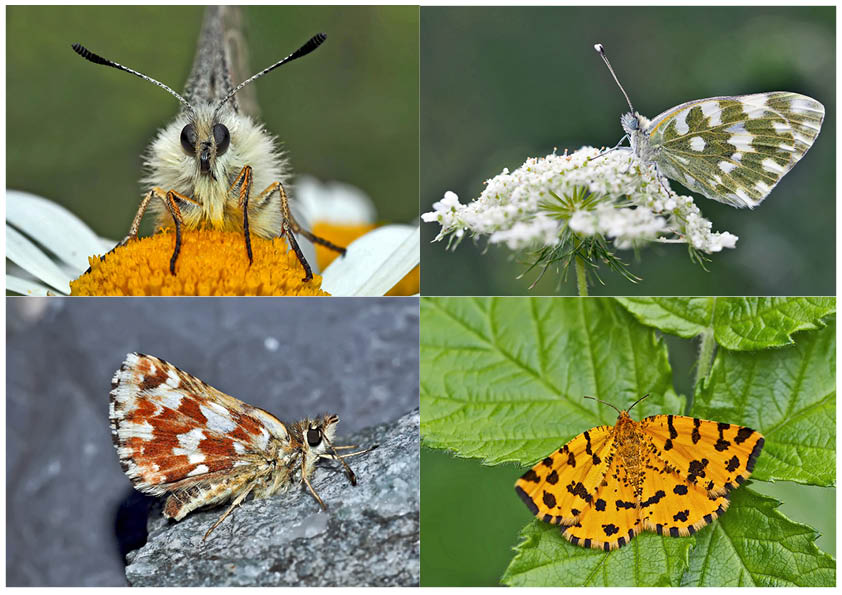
(600, 49)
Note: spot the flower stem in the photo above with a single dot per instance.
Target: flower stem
(707, 344)
(581, 277)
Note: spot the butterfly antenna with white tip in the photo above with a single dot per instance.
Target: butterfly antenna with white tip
(97, 59)
(305, 49)
(601, 51)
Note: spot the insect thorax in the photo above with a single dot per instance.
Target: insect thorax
(628, 443)
(169, 167)
(636, 126)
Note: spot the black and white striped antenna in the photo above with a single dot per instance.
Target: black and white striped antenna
(97, 59)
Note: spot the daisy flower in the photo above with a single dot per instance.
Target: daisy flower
(49, 250)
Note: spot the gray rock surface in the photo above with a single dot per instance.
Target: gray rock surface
(369, 535)
(71, 513)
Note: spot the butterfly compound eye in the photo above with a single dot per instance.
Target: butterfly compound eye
(314, 437)
(221, 137)
(188, 139)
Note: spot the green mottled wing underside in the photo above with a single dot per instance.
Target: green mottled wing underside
(735, 149)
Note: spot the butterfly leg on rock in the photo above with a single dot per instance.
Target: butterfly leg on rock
(312, 491)
(237, 501)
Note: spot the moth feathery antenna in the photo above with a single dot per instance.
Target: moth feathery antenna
(305, 49)
(97, 59)
(604, 403)
(601, 51)
(638, 401)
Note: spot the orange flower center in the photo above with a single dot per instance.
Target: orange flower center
(209, 263)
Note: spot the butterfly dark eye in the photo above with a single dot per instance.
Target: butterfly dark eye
(221, 137)
(188, 139)
(314, 437)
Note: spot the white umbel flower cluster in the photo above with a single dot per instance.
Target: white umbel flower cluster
(627, 203)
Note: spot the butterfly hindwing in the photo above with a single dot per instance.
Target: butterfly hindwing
(611, 519)
(557, 489)
(670, 504)
(735, 149)
(717, 457)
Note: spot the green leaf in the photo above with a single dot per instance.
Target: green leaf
(739, 323)
(505, 379)
(546, 559)
(789, 396)
(755, 545)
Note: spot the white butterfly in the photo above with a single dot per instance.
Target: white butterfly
(731, 149)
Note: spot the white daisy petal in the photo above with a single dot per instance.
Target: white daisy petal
(52, 226)
(29, 257)
(26, 286)
(333, 202)
(375, 262)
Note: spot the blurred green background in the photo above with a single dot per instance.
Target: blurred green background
(499, 85)
(471, 517)
(75, 130)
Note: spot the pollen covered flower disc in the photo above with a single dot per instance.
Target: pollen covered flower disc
(667, 473)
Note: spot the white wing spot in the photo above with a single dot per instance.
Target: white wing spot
(681, 126)
(781, 127)
(170, 399)
(172, 379)
(712, 112)
(738, 157)
(262, 441)
(741, 194)
(801, 138)
(726, 166)
(772, 166)
(199, 470)
(189, 441)
(742, 141)
(801, 105)
(218, 418)
(764, 189)
(787, 148)
(755, 114)
(697, 143)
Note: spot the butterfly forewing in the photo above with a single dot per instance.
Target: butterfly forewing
(735, 149)
(171, 427)
(716, 456)
(558, 488)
